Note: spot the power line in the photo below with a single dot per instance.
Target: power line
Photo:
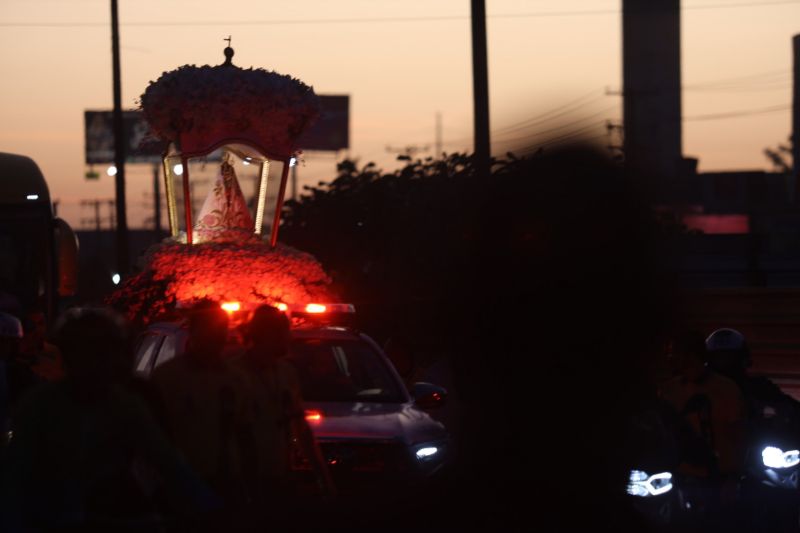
(543, 118)
(757, 77)
(577, 137)
(559, 127)
(578, 133)
(734, 114)
(372, 20)
(743, 89)
(551, 114)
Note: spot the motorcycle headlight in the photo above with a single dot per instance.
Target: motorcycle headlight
(641, 484)
(773, 457)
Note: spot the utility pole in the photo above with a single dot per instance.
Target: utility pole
(480, 88)
(97, 219)
(119, 147)
(796, 116)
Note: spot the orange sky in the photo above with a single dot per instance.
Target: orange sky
(57, 63)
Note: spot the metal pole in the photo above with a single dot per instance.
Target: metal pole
(273, 239)
(480, 87)
(97, 218)
(156, 200)
(119, 147)
(294, 182)
(796, 116)
(187, 200)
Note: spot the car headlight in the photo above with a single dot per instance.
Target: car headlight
(641, 484)
(773, 457)
(429, 452)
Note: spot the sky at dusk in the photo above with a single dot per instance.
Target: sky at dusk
(401, 62)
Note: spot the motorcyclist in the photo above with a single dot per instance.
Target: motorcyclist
(710, 437)
(729, 355)
(771, 420)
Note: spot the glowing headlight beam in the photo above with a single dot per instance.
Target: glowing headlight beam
(428, 451)
(773, 457)
(640, 484)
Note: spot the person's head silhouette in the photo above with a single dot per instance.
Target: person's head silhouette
(268, 332)
(208, 332)
(94, 345)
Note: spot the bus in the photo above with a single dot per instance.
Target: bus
(38, 251)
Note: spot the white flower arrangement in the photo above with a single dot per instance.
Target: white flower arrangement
(225, 101)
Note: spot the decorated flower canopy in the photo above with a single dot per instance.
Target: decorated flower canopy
(240, 124)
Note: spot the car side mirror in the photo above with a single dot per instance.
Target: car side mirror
(428, 395)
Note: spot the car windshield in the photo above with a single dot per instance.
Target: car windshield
(23, 256)
(341, 370)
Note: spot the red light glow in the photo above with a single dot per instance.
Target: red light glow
(231, 307)
(251, 273)
(315, 308)
(282, 307)
(313, 415)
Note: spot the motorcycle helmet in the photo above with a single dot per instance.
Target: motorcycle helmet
(728, 350)
(10, 326)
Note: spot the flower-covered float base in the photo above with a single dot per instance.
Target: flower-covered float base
(250, 273)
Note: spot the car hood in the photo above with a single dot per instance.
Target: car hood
(375, 421)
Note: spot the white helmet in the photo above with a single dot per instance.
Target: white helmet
(10, 326)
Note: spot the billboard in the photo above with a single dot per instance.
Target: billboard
(332, 131)
(99, 131)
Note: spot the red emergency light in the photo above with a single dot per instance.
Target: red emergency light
(312, 415)
(315, 308)
(230, 307)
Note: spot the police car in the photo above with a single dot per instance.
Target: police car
(368, 424)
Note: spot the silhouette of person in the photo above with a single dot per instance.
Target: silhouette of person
(14, 378)
(711, 402)
(44, 357)
(712, 405)
(204, 406)
(278, 403)
(729, 355)
(74, 442)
